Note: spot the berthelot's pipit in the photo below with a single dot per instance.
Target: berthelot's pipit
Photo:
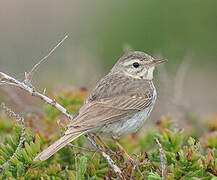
(119, 105)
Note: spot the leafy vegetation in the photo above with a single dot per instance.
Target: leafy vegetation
(188, 156)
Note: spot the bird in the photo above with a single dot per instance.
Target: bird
(118, 105)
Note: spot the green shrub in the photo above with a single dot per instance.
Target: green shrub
(187, 157)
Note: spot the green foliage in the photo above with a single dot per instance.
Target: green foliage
(71, 100)
(82, 168)
(187, 157)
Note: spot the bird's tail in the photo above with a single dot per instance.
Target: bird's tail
(56, 146)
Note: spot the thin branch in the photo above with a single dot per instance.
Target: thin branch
(180, 77)
(137, 167)
(163, 158)
(8, 80)
(135, 164)
(28, 75)
(164, 78)
(20, 120)
(26, 86)
(12, 114)
(107, 157)
(164, 75)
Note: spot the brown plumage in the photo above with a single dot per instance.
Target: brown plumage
(118, 99)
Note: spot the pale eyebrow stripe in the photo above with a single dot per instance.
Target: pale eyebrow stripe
(131, 61)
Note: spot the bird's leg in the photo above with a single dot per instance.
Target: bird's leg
(111, 163)
(104, 145)
(82, 148)
(121, 149)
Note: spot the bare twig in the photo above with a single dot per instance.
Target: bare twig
(179, 79)
(44, 92)
(26, 86)
(137, 167)
(175, 94)
(164, 75)
(8, 80)
(165, 78)
(12, 114)
(28, 75)
(135, 164)
(107, 157)
(163, 158)
(20, 120)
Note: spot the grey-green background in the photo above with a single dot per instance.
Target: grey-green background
(98, 32)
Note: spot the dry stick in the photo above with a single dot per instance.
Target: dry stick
(107, 157)
(19, 119)
(26, 86)
(163, 158)
(179, 79)
(164, 76)
(8, 80)
(134, 167)
(133, 172)
(137, 167)
(28, 75)
(179, 84)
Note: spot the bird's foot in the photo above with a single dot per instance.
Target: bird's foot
(105, 146)
(123, 152)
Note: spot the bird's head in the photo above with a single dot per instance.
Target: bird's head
(137, 65)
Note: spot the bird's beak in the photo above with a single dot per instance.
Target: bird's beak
(157, 61)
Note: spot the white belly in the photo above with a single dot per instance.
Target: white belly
(131, 125)
(127, 126)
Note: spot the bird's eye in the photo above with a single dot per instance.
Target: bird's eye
(135, 64)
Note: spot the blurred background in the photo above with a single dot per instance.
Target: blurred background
(184, 32)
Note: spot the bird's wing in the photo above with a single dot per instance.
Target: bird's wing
(110, 108)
